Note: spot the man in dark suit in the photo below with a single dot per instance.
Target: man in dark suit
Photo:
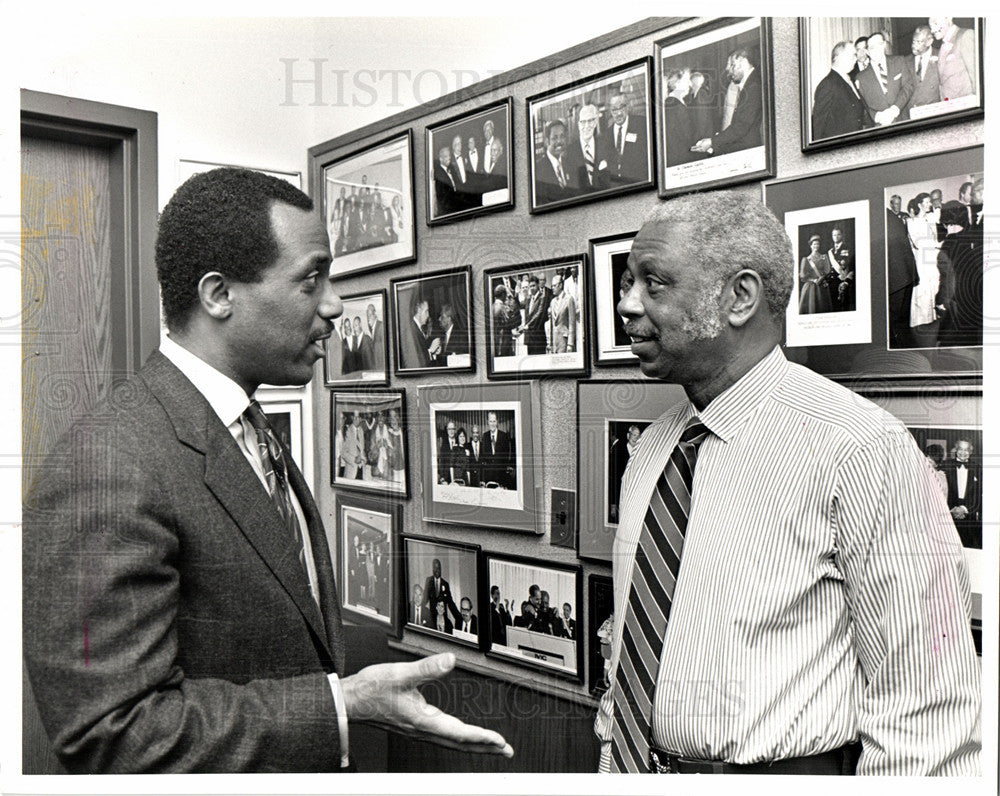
(419, 345)
(923, 72)
(553, 179)
(962, 249)
(376, 340)
(534, 321)
(438, 590)
(417, 613)
(841, 277)
(477, 457)
(499, 460)
(965, 495)
(746, 128)
(454, 337)
(588, 157)
(629, 149)
(500, 618)
(678, 120)
(180, 608)
(837, 106)
(445, 190)
(569, 625)
(902, 278)
(469, 623)
(886, 85)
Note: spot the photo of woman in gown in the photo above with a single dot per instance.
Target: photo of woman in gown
(814, 270)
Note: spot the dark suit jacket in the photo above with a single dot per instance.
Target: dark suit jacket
(745, 130)
(926, 91)
(902, 266)
(837, 110)
(630, 165)
(547, 188)
(475, 462)
(898, 86)
(168, 625)
(473, 623)
(678, 131)
(496, 463)
(433, 596)
(973, 487)
(445, 193)
(576, 167)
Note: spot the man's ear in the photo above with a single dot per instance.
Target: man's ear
(214, 295)
(746, 292)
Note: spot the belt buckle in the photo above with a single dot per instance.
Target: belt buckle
(660, 763)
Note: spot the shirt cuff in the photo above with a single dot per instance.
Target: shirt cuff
(338, 702)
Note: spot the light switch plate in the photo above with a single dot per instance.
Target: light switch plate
(563, 522)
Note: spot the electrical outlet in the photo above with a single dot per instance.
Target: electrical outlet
(563, 524)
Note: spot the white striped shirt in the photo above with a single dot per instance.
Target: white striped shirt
(822, 594)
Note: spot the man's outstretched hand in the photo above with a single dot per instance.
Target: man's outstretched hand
(386, 695)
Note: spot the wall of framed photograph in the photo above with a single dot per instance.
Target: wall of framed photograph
(473, 240)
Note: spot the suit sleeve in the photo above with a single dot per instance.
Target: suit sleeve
(102, 586)
(907, 591)
(746, 121)
(823, 111)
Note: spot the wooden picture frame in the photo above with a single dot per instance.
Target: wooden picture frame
(608, 258)
(367, 312)
(369, 572)
(520, 342)
(835, 115)
(499, 487)
(701, 143)
(485, 181)
(616, 169)
(369, 451)
(377, 229)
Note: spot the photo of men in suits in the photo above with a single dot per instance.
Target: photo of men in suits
(433, 326)
(626, 134)
(965, 496)
(886, 85)
(622, 439)
(838, 108)
(163, 664)
(745, 129)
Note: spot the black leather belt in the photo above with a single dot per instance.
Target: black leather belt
(840, 761)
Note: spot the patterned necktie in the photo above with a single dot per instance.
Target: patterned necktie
(882, 76)
(588, 161)
(273, 461)
(654, 575)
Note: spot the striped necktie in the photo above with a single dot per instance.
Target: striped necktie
(654, 575)
(273, 461)
(588, 161)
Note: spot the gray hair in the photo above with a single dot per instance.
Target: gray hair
(731, 231)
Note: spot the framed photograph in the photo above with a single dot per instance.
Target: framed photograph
(368, 549)
(357, 351)
(948, 428)
(432, 322)
(611, 417)
(544, 599)
(715, 105)
(925, 266)
(470, 164)
(481, 447)
(600, 629)
(536, 318)
(368, 206)
(608, 261)
(368, 449)
(863, 77)
(831, 286)
(442, 589)
(591, 139)
(285, 417)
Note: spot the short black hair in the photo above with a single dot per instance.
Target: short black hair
(218, 220)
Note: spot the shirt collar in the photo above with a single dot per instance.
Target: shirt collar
(728, 412)
(224, 395)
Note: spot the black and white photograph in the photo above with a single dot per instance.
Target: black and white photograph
(934, 262)
(441, 589)
(544, 607)
(591, 139)
(432, 322)
(368, 450)
(470, 164)
(611, 417)
(608, 262)
(863, 77)
(715, 105)
(600, 630)
(357, 351)
(831, 295)
(285, 419)
(367, 539)
(368, 207)
(536, 320)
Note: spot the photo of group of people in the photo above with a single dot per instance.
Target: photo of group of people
(367, 554)
(591, 139)
(533, 613)
(934, 259)
(357, 347)
(469, 161)
(826, 276)
(442, 589)
(369, 442)
(867, 73)
(433, 323)
(536, 317)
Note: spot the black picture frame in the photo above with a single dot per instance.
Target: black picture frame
(375, 523)
(742, 150)
(362, 243)
(608, 258)
(549, 652)
(489, 183)
(606, 409)
(615, 171)
(827, 113)
(509, 348)
(600, 627)
(879, 359)
(460, 562)
(376, 457)
(373, 353)
(414, 350)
